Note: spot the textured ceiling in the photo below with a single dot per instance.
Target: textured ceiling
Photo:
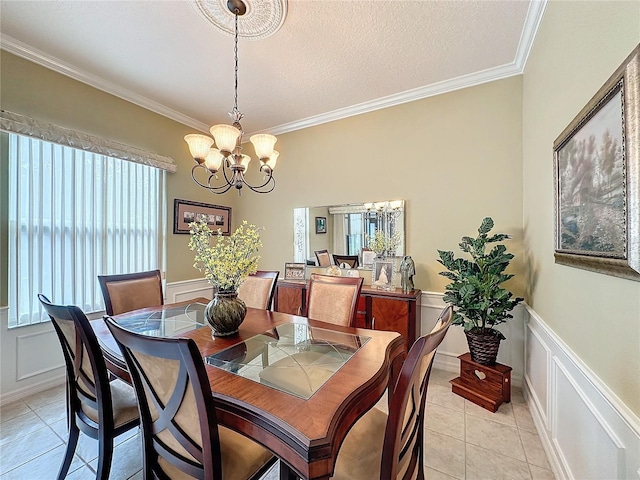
(329, 59)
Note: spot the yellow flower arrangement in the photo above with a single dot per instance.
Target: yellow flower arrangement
(231, 259)
(383, 245)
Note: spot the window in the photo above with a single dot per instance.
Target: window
(74, 215)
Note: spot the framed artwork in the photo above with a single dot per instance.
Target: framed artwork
(321, 224)
(186, 211)
(382, 274)
(294, 271)
(367, 257)
(597, 179)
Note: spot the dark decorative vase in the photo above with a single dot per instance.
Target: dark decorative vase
(484, 345)
(224, 313)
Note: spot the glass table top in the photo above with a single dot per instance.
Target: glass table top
(294, 358)
(166, 323)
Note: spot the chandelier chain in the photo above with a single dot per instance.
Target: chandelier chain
(235, 52)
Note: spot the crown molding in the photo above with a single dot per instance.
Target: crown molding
(419, 93)
(23, 50)
(532, 23)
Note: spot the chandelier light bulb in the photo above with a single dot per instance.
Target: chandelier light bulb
(213, 160)
(263, 144)
(244, 161)
(199, 146)
(271, 163)
(226, 137)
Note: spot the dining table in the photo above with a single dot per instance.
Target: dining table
(292, 384)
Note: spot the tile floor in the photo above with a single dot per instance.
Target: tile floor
(462, 440)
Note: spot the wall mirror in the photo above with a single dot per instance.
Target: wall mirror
(348, 228)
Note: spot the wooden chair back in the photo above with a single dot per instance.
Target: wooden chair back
(131, 291)
(324, 260)
(257, 290)
(333, 299)
(178, 419)
(351, 260)
(402, 456)
(90, 406)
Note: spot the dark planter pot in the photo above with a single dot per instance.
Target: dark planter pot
(224, 313)
(484, 345)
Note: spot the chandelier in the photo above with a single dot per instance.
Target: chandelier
(227, 158)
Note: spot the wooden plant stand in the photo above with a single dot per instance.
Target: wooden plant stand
(487, 386)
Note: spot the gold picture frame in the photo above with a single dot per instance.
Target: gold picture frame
(597, 179)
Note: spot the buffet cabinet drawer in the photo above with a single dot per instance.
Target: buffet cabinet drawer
(391, 311)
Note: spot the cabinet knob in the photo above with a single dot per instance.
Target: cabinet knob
(373, 323)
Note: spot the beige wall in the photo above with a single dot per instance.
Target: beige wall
(32, 90)
(578, 46)
(456, 158)
(319, 241)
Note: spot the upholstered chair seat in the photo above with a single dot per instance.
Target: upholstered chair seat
(381, 446)
(124, 404)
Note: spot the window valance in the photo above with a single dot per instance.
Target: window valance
(20, 124)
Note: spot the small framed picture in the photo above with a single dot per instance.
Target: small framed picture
(186, 211)
(382, 274)
(368, 257)
(321, 224)
(294, 271)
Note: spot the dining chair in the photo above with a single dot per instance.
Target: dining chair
(391, 446)
(131, 291)
(257, 290)
(351, 260)
(333, 299)
(323, 258)
(180, 433)
(99, 408)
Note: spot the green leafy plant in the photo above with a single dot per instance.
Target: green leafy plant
(230, 259)
(475, 288)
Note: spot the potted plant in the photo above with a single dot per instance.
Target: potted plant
(225, 264)
(475, 291)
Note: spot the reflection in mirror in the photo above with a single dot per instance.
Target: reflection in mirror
(349, 229)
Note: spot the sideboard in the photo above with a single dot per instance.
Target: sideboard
(377, 309)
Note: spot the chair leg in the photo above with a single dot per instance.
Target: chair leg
(286, 473)
(105, 455)
(74, 433)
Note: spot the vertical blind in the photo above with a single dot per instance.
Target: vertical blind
(74, 215)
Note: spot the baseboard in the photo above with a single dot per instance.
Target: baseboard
(587, 431)
(32, 389)
(455, 343)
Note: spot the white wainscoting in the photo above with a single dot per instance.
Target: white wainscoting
(455, 343)
(31, 358)
(187, 289)
(585, 429)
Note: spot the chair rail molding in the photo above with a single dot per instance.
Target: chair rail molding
(568, 402)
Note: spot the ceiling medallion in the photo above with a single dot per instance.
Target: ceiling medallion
(262, 18)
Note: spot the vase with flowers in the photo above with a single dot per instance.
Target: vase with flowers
(225, 264)
(383, 244)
